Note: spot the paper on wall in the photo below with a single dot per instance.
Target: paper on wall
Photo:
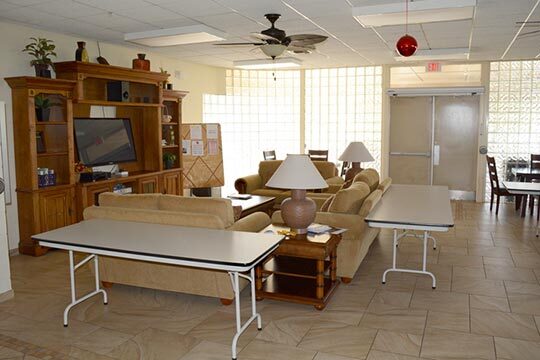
(195, 132)
(211, 131)
(213, 147)
(197, 148)
(186, 147)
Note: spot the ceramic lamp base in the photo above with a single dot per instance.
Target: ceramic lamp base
(298, 212)
(353, 171)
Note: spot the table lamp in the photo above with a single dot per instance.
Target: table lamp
(355, 153)
(297, 173)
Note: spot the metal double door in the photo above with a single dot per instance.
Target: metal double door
(433, 141)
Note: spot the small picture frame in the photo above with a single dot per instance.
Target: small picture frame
(40, 142)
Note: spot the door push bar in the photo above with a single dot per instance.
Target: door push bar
(426, 154)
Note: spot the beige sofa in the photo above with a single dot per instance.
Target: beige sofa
(255, 184)
(210, 213)
(347, 209)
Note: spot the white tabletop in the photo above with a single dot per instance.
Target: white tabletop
(413, 206)
(166, 243)
(516, 187)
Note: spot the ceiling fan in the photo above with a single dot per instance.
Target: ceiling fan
(529, 24)
(273, 41)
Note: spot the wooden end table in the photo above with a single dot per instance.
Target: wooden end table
(296, 270)
(254, 204)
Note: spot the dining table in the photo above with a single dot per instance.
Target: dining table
(524, 174)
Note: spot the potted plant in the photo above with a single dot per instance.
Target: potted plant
(168, 160)
(42, 50)
(43, 106)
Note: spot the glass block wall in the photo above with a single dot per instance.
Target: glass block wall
(344, 105)
(257, 113)
(514, 114)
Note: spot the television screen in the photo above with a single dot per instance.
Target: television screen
(102, 141)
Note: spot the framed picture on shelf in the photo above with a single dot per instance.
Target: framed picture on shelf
(40, 142)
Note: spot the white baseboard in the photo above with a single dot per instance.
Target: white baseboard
(13, 252)
(8, 295)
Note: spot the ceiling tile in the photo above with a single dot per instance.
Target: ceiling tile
(150, 13)
(66, 8)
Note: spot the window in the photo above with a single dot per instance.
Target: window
(257, 113)
(514, 114)
(344, 105)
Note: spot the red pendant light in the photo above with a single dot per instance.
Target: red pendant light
(406, 45)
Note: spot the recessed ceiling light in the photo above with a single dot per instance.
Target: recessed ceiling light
(176, 36)
(437, 54)
(422, 11)
(260, 64)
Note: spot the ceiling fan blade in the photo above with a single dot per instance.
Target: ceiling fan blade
(264, 37)
(307, 39)
(239, 44)
(308, 49)
(529, 33)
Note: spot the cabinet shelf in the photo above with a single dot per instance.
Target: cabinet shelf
(55, 153)
(46, 123)
(169, 123)
(170, 147)
(116, 103)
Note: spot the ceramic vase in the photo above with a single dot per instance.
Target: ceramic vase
(81, 54)
(141, 63)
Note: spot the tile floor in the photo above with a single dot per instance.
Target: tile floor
(486, 306)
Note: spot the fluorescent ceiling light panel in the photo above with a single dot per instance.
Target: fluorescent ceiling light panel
(176, 36)
(260, 64)
(422, 11)
(436, 54)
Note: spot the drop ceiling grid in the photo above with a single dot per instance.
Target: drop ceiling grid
(493, 29)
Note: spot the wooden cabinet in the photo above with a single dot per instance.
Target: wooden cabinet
(44, 139)
(56, 209)
(172, 183)
(148, 185)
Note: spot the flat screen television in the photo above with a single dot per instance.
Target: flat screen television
(104, 141)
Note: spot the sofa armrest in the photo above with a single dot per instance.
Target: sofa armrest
(384, 185)
(252, 223)
(248, 184)
(353, 223)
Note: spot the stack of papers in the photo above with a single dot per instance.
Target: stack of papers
(319, 229)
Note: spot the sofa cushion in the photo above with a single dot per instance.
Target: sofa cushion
(370, 177)
(327, 170)
(326, 204)
(130, 201)
(370, 202)
(349, 201)
(221, 208)
(267, 168)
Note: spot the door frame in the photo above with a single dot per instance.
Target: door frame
(443, 91)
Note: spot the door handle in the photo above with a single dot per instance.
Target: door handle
(426, 154)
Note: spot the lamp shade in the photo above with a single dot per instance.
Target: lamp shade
(356, 151)
(297, 172)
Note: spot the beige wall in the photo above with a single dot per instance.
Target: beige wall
(197, 79)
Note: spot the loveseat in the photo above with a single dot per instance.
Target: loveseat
(213, 213)
(255, 184)
(347, 209)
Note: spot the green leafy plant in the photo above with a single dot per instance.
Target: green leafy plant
(43, 102)
(168, 157)
(42, 50)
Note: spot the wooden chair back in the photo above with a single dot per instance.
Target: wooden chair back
(269, 155)
(344, 168)
(318, 155)
(535, 161)
(492, 170)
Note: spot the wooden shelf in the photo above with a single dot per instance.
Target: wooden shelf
(295, 289)
(46, 123)
(56, 153)
(169, 123)
(170, 147)
(116, 103)
(293, 266)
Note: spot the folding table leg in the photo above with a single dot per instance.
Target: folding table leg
(254, 315)
(72, 268)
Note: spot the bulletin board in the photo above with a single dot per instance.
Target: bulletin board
(202, 155)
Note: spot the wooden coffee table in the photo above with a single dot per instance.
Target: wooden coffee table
(301, 270)
(254, 204)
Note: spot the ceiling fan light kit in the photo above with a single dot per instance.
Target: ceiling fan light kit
(175, 36)
(268, 64)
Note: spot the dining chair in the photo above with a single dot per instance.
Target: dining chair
(269, 155)
(496, 190)
(535, 164)
(318, 155)
(344, 168)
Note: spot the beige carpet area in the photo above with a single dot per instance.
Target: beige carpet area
(486, 306)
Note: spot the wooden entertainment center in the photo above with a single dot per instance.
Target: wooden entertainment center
(50, 143)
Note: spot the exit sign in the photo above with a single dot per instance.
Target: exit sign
(433, 67)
